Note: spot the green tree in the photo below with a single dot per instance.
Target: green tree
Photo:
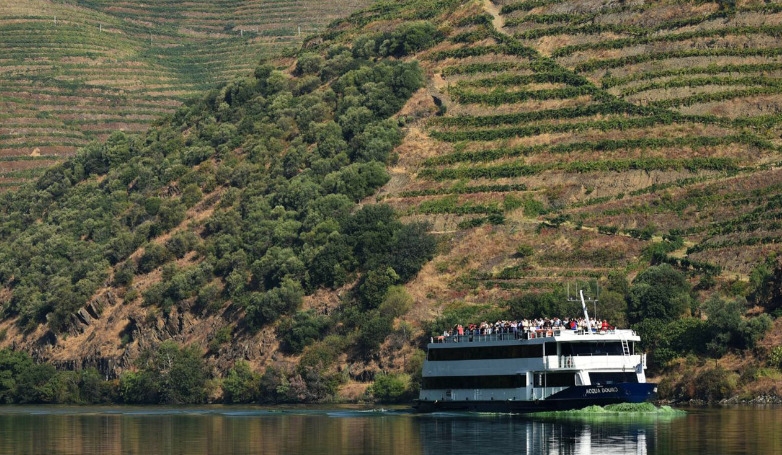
(613, 308)
(154, 256)
(309, 63)
(12, 364)
(374, 285)
(302, 329)
(729, 329)
(93, 388)
(37, 384)
(242, 385)
(390, 388)
(413, 37)
(373, 330)
(266, 307)
(168, 375)
(396, 302)
(659, 292)
(665, 341)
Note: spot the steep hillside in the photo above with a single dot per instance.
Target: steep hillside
(541, 143)
(75, 72)
(588, 130)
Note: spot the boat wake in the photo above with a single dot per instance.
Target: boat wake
(620, 411)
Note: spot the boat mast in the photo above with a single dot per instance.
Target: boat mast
(584, 307)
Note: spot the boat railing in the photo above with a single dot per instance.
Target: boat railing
(468, 338)
(597, 361)
(517, 335)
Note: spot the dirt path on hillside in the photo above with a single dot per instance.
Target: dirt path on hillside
(494, 10)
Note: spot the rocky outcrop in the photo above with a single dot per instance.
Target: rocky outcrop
(85, 316)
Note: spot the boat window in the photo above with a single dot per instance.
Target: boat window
(486, 352)
(594, 348)
(555, 379)
(612, 378)
(511, 381)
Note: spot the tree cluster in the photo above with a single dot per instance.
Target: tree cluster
(279, 160)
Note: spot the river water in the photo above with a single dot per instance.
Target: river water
(354, 430)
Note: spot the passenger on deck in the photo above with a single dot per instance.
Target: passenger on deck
(523, 328)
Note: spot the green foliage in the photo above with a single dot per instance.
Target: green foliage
(24, 382)
(357, 180)
(168, 375)
(374, 286)
(374, 327)
(524, 250)
(309, 63)
(92, 388)
(308, 383)
(242, 384)
(265, 307)
(543, 304)
(123, 276)
(666, 341)
(728, 327)
(181, 243)
(407, 39)
(222, 336)
(154, 256)
(617, 62)
(280, 227)
(276, 163)
(659, 292)
(613, 308)
(775, 357)
(519, 169)
(397, 302)
(12, 364)
(525, 5)
(304, 328)
(766, 283)
(499, 97)
(37, 384)
(715, 384)
(390, 388)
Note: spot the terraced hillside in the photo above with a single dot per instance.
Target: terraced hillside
(71, 73)
(596, 137)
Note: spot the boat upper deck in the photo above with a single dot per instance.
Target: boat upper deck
(537, 336)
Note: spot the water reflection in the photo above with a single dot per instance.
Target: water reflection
(457, 435)
(350, 430)
(205, 431)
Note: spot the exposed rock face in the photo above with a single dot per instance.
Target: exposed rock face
(109, 334)
(85, 316)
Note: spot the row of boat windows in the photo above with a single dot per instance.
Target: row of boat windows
(510, 381)
(513, 381)
(612, 378)
(523, 351)
(604, 348)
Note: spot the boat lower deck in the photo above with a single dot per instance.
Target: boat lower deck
(576, 397)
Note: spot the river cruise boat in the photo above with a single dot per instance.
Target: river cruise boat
(538, 370)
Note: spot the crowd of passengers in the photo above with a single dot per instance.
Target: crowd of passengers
(527, 326)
